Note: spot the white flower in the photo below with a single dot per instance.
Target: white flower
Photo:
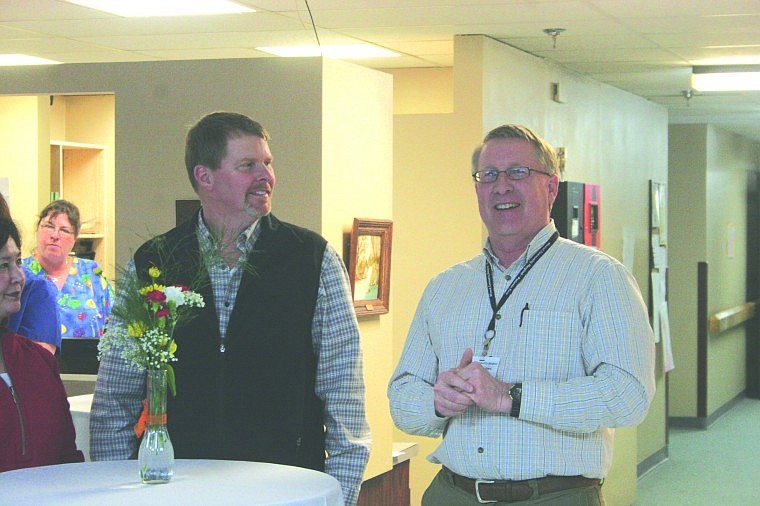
(174, 294)
(193, 299)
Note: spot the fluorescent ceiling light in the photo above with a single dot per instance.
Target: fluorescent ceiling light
(149, 8)
(345, 51)
(725, 78)
(9, 60)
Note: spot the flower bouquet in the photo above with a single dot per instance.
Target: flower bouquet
(150, 313)
(146, 316)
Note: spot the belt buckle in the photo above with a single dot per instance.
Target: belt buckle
(477, 491)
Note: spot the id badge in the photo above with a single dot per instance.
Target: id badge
(490, 364)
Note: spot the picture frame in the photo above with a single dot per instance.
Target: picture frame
(369, 265)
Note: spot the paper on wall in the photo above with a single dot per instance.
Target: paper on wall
(657, 300)
(667, 350)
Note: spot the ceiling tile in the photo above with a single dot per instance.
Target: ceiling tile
(646, 47)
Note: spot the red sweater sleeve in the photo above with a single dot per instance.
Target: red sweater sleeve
(48, 436)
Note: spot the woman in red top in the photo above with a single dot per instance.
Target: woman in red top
(35, 422)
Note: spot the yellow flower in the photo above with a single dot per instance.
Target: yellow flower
(90, 303)
(136, 329)
(154, 272)
(151, 287)
(172, 347)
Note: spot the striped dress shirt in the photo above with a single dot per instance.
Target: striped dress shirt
(575, 332)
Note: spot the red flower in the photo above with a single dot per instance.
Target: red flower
(183, 288)
(80, 316)
(163, 312)
(155, 296)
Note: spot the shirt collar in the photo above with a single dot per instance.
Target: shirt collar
(538, 240)
(244, 241)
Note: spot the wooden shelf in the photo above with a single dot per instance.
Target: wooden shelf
(77, 174)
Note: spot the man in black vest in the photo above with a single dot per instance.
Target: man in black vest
(270, 370)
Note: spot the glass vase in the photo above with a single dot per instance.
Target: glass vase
(156, 454)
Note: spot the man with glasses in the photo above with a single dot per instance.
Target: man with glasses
(526, 356)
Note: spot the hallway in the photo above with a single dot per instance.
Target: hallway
(718, 466)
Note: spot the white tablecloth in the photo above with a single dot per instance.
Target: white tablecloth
(80, 413)
(195, 482)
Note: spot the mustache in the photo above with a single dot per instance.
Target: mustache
(261, 186)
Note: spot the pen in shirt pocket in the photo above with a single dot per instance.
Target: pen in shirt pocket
(522, 312)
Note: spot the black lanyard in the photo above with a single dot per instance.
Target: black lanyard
(491, 331)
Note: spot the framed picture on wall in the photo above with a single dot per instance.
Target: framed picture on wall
(369, 265)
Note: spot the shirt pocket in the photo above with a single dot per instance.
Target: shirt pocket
(548, 346)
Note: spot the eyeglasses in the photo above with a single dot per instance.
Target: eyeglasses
(514, 173)
(49, 228)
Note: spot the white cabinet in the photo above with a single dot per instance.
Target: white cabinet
(77, 174)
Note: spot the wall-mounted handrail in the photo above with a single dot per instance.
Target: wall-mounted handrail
(724, 320)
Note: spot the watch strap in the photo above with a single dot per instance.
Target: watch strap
(515, 393)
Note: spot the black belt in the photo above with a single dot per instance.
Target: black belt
(513, 491)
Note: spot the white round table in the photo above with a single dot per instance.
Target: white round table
(195, 482)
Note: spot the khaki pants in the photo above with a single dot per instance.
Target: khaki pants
(443, 492)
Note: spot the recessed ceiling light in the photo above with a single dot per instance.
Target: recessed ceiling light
(343, 52)
(9, 60)
(149, 8)
(726, 78)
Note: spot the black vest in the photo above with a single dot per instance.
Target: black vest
(255, 401)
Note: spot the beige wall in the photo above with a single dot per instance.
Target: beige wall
(708, 181)
(428, 92)
(436, 220)
(613, 139)
(729, 159)
(357, 181)
(22, 151)
(436, 225)
(687, 194)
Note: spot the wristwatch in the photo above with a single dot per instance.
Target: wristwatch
(515, 393)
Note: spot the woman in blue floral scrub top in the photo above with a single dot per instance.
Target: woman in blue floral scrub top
(85, 295)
